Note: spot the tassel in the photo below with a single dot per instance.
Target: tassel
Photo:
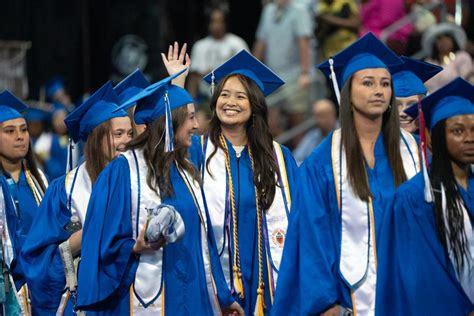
(238, 285)
(424, 154)
(213, 82)
(260, 304)
(70, 158)
(169, 135)
(334, 81)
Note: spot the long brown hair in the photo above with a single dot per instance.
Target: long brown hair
(96, 161)
(260, 140)
(159, 162)
(357, 173)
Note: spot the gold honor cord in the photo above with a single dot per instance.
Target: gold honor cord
(33, 184)
(260, 304)
(237, 271)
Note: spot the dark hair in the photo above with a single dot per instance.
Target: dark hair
(442, 174)
(30, 162)
(96, 161)
(435, 51)
(217, 7)
(159, 162)
(356, 171)
(260, 140)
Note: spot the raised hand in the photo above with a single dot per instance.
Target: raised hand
(175, 61)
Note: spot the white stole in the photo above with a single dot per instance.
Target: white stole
(358, 252)
(276, 218)
(78, 187)
(466, 276)
(147, 293)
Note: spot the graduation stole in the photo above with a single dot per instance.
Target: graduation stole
(150, 272)
(466, 276)
(33, 183)
(357, 220)
(274, 220)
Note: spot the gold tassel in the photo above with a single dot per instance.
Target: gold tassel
(260, 304)
(238, 285)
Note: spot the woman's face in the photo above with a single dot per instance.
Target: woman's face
(233, 104)
(120, 134)
(371, 92)
(445, 44)
(460, 138)
(406, 121)
(14, 139)
(186, 130)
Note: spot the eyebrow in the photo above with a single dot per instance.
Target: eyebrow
(13, 126)
(373, 77)
(239, 91)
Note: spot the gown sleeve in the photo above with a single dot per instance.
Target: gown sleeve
(306, 282)
(40, 257)
(414, 275)
(108, 266)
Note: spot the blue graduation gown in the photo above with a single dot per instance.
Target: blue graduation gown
(415, 277)
(242, 179)
(40, 256)
(21, 208)
(55, 166)
(310, 281)
(108, 265)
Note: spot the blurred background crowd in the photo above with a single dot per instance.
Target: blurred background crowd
(54, 53)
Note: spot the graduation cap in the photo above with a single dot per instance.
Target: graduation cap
(408, 78)
(130, 86)
(10, 106)
(35, 115)
(455, 98)
(98, 108)
(156, 100)
(53, 85)
(367, 52)
(246, 64)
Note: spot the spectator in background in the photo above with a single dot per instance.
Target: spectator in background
(376, 15)
(444, 45)
(325, 118)
(337, 26)
(56, 92)
(52, 148)
(284, 44)
(210, 52)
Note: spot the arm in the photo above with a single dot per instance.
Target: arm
(176, 61)
(259, 49)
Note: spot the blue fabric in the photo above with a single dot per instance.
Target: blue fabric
(18, 226)
(10, 106)
(130, 86)
(408, 78)
(309, 281)
(40, 257)
(55, 166)
(108, 266)
(242, 177)
(366, 52)
(455, 98)
(98, 108)
(246, 64)
(415, 276)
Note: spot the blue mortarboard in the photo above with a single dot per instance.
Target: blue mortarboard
(53, 85)
(408, 78)
(367, 52)
(246, 64)
(130, 86)
(10, 106)
(455, 98)
(98, 108)
(159, 99)
(34, 114)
